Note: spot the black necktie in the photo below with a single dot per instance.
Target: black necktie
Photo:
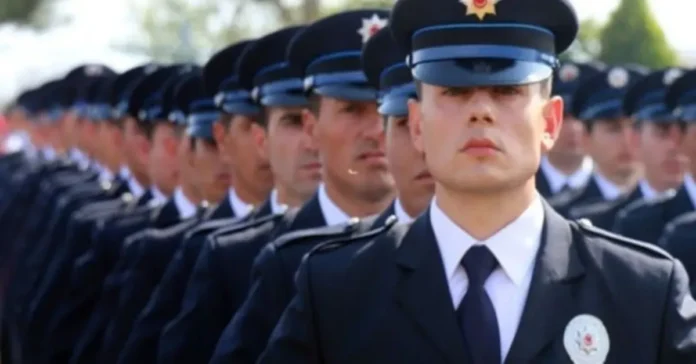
(476, 313)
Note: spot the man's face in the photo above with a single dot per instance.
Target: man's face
(608, 142)
(136, 146)
(249, 163)
(688, 146)
(350, 138)
(569, 143)
(484, 139)
(413, 181)
(214, 178)
(294, 160)
(658, 147)
(166, 158)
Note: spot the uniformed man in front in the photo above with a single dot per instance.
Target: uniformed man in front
(491, 273)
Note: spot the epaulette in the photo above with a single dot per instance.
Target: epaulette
(589, 209)
(214, 224)
(300, 236)
(651, 249)
(334, 244)
(243, 225)
(684, 220)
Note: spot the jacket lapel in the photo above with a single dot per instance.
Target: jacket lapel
(309, 215)
(222, 211)
(423, 293)
(550, 302)
(681, 203)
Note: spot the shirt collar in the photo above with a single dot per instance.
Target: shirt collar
(609, 190)
(690, 186)
(648, 191)
(333, 215)
(124, 173)
(105, 175)
(158, 198)
(400, 213)
(185, 207)
(49, 153)
(136, 189)
(515, 246)
(239, 207)
(276, 206)
(558, 179)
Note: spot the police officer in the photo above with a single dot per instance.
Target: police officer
(98, 277)
(598, 103)
(646, 220)
(150, 251)
(490, 273)
(567, 165)
(657, 135)
(384, 66)
(342, 119)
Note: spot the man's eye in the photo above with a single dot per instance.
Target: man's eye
(506, 90)
(452, 91)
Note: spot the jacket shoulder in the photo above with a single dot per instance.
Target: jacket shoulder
(245, 230)
(591, 209)
(211, 225)
(645, 207)
(685, 222)
(373, 232)
(600, 236)
(296, 237)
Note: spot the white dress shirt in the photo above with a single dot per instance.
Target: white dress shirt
(105, 175)
(185, 207)
(158, 198)
(49, 154)
(558, 179)
(240, 208)
(690, 186)
(124, 173)
(608, 189)
(276, 206)
(333, 215)
(648, 191)
(136, 189)
(401, 214)
(515, 247)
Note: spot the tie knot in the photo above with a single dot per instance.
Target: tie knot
(479, 263)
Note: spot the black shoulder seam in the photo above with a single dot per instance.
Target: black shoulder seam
(298, 236)
(334, 244)
(648, 248)
(249, 224)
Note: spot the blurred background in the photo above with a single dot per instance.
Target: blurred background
(40, 39)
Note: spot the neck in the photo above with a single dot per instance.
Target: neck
(191, 193)
(657, 183)
(356, 205)
(414, 206)
(287, 196)
(567, 165)
(484, 214)
(620, 180)
(692, 166)
(249, 193)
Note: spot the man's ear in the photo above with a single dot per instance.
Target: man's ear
(415, 118)
(553, 121)
(260, 137)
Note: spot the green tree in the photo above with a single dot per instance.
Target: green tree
(586, 46)
(20, 11)
(633, 35)
(186, 31)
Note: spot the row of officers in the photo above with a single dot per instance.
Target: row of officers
(404, 186)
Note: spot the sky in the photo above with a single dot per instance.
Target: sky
(29, 57)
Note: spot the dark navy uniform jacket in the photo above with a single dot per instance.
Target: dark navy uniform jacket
(386, 300)
(646, 219)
